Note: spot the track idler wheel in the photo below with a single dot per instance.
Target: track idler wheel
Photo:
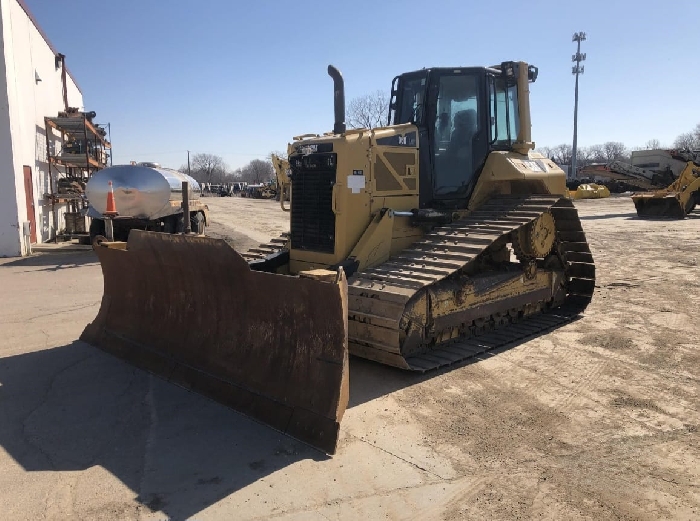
(536, 239)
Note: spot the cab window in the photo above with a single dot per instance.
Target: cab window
(456, 126)
(503, 102)
(411, 101)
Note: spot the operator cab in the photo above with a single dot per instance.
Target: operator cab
(462, 114)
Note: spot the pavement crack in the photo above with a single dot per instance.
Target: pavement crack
(413, 464)
(26, 436)
(61, 312)
(46, 337)
(108, 442)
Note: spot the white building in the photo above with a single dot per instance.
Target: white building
(656, 161)
(31, 88)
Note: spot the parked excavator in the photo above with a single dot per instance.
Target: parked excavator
(284, 183)
(675, 201)
(418, 245)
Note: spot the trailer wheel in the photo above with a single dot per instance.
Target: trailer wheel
(197, 223)
(170, 224)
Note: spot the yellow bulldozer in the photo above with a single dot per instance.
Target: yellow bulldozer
(417, 245)
(675, 201)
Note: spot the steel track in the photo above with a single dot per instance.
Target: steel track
(377, 297)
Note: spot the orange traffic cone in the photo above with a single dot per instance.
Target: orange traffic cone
(111, 206)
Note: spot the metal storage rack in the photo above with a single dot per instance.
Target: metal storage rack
(84, 150)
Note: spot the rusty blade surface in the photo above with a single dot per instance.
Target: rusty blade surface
(190, 310)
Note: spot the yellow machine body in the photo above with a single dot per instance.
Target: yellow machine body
(675, 201)
(590, 191)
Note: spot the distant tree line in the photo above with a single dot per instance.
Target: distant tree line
(210, 168)
(605, 153)
(370, 111)
(614, 150)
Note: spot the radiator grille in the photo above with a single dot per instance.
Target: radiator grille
(313, 220)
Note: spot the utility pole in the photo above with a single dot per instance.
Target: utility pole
(576, 70)
(188, 163)
(109, 138)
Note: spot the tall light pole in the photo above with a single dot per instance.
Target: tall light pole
(576, 70)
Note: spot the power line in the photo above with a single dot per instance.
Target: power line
(171, 152)
(153, 153)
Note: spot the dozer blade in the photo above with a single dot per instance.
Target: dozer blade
(189, 309)
(669, 206)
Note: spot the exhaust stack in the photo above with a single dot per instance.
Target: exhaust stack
(338, 99)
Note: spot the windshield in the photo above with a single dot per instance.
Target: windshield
(457, 123)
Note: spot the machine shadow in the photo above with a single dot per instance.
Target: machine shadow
(635, 217)
(629, 215)
(370, 380)
(55, 261)
(74, 407)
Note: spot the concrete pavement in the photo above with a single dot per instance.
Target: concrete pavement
(84, 435)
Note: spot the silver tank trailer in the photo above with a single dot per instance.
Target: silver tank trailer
(140, 191)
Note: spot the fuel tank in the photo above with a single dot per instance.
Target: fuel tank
(140, 191)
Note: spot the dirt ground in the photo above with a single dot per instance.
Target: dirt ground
(596, 420)
(244, 223)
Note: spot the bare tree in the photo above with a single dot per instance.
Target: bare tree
(206, 168)
(652, 144)
(257, 171)
(597, 153)
(562, 154)
(368, 111)
(229, 177)
(614, 150)
(585, 156)
(545, 151)
(688, 141)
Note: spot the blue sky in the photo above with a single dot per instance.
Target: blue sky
(239, 79)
